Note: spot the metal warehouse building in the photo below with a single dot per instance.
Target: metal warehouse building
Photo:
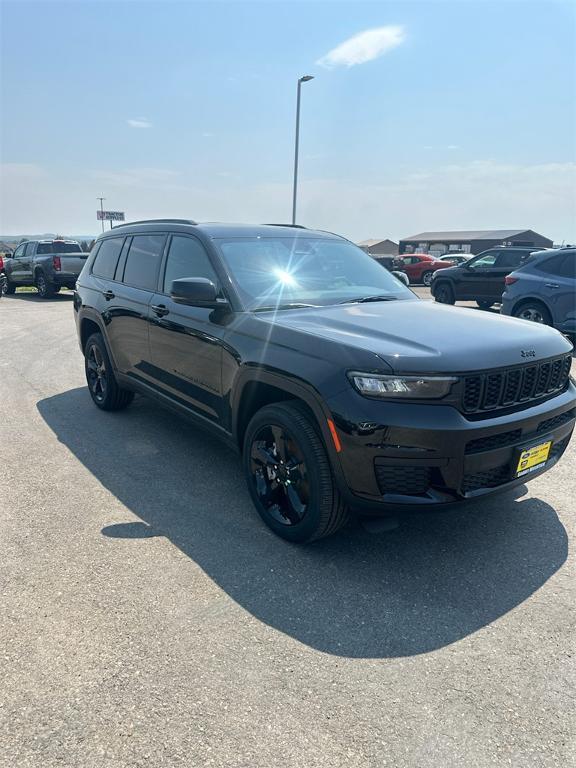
(474, 241)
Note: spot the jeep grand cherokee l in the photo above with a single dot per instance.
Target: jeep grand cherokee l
(341, 389)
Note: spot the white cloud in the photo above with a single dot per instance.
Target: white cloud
(139, 122)
(365, 46)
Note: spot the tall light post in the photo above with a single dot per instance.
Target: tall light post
(102, 209)
(301, 80)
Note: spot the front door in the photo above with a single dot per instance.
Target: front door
(186, 342)
(476, 277)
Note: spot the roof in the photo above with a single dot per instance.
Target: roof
(218, 229)
(465, 234)
(369, 243)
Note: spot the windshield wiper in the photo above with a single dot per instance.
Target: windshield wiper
(292, 305)
(368, 299)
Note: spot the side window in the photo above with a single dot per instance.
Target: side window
(187, 258)
(562, 265)
(485, 262)
(107, 257)
(29, 250)
(19, 251)
(143, 261)
(509, 259)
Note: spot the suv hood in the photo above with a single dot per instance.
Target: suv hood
(425, 337)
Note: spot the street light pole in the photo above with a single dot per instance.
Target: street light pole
(102, 209)
(301, 80)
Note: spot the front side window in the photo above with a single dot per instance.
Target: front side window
(274, 271)
(484, 262)
(107, 257)
(187, 258)
(19, 251)
(143, 261)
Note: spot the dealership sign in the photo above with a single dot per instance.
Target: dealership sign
(110, 215)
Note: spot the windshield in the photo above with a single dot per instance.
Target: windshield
(291, 271)
(58, 247)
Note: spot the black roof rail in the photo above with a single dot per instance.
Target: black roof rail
(156, 221)
(294, 226)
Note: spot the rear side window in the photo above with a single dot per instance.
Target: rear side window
(143, 261)
(561, 265)
(107, 257)
(187, 258)
(510, 260)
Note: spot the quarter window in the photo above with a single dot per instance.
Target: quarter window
(187, 258)
(143, 261)
(107, 257)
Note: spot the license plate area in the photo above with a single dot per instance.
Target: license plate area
(531, 458)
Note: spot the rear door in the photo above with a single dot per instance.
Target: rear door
(186, 342)
(126, 299)
(506, 262)
(558, 289)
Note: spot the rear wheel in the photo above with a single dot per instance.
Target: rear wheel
(104, 389)
(45, 289)
(289, 475)
(484, 304)
(443, 293)
(427, 278)
(534, 311)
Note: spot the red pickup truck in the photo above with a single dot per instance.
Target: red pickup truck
(421, 266)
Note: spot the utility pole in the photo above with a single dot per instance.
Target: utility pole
(102, 209)
(301, 80)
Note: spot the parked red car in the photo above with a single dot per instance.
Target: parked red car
(421, 266)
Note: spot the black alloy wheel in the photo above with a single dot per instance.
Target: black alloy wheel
(102, 384)
(443, 293)
(280, 475)
(289, 474)
(96, 373)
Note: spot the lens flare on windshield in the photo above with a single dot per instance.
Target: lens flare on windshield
(285, 277)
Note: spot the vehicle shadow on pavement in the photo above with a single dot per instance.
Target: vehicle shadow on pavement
(436, 579)
(33, 296)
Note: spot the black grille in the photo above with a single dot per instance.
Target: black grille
(407, 481)
(556, 421)
(504, 389)
(492, 442)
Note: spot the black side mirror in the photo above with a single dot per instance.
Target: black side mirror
(196, 292)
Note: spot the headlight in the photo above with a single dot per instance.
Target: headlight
(398, 387)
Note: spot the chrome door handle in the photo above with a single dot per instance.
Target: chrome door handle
(160, 310)
(109, 295)
(551, 285)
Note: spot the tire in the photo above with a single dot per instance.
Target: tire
(484, 304)
(102, 384)
(444, 293)
(427, 278)
(8, 288)
(289, 475)
(533, 310)
(45, 289)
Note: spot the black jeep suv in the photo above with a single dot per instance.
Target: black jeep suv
(480, 279)
(340, 388)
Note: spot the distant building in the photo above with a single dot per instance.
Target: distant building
(379, 247)
(474, 241)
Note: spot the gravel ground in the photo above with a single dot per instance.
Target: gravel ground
(148, 617)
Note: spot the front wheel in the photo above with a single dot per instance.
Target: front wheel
(534, 311)
(104, 389)
(443, 293)
(289, 475)
(8, 288)
(427, 278)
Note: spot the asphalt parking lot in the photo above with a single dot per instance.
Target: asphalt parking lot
(149, 618)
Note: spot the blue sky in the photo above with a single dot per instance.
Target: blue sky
(466, 119)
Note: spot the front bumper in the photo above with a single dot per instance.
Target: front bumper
(399, 454)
